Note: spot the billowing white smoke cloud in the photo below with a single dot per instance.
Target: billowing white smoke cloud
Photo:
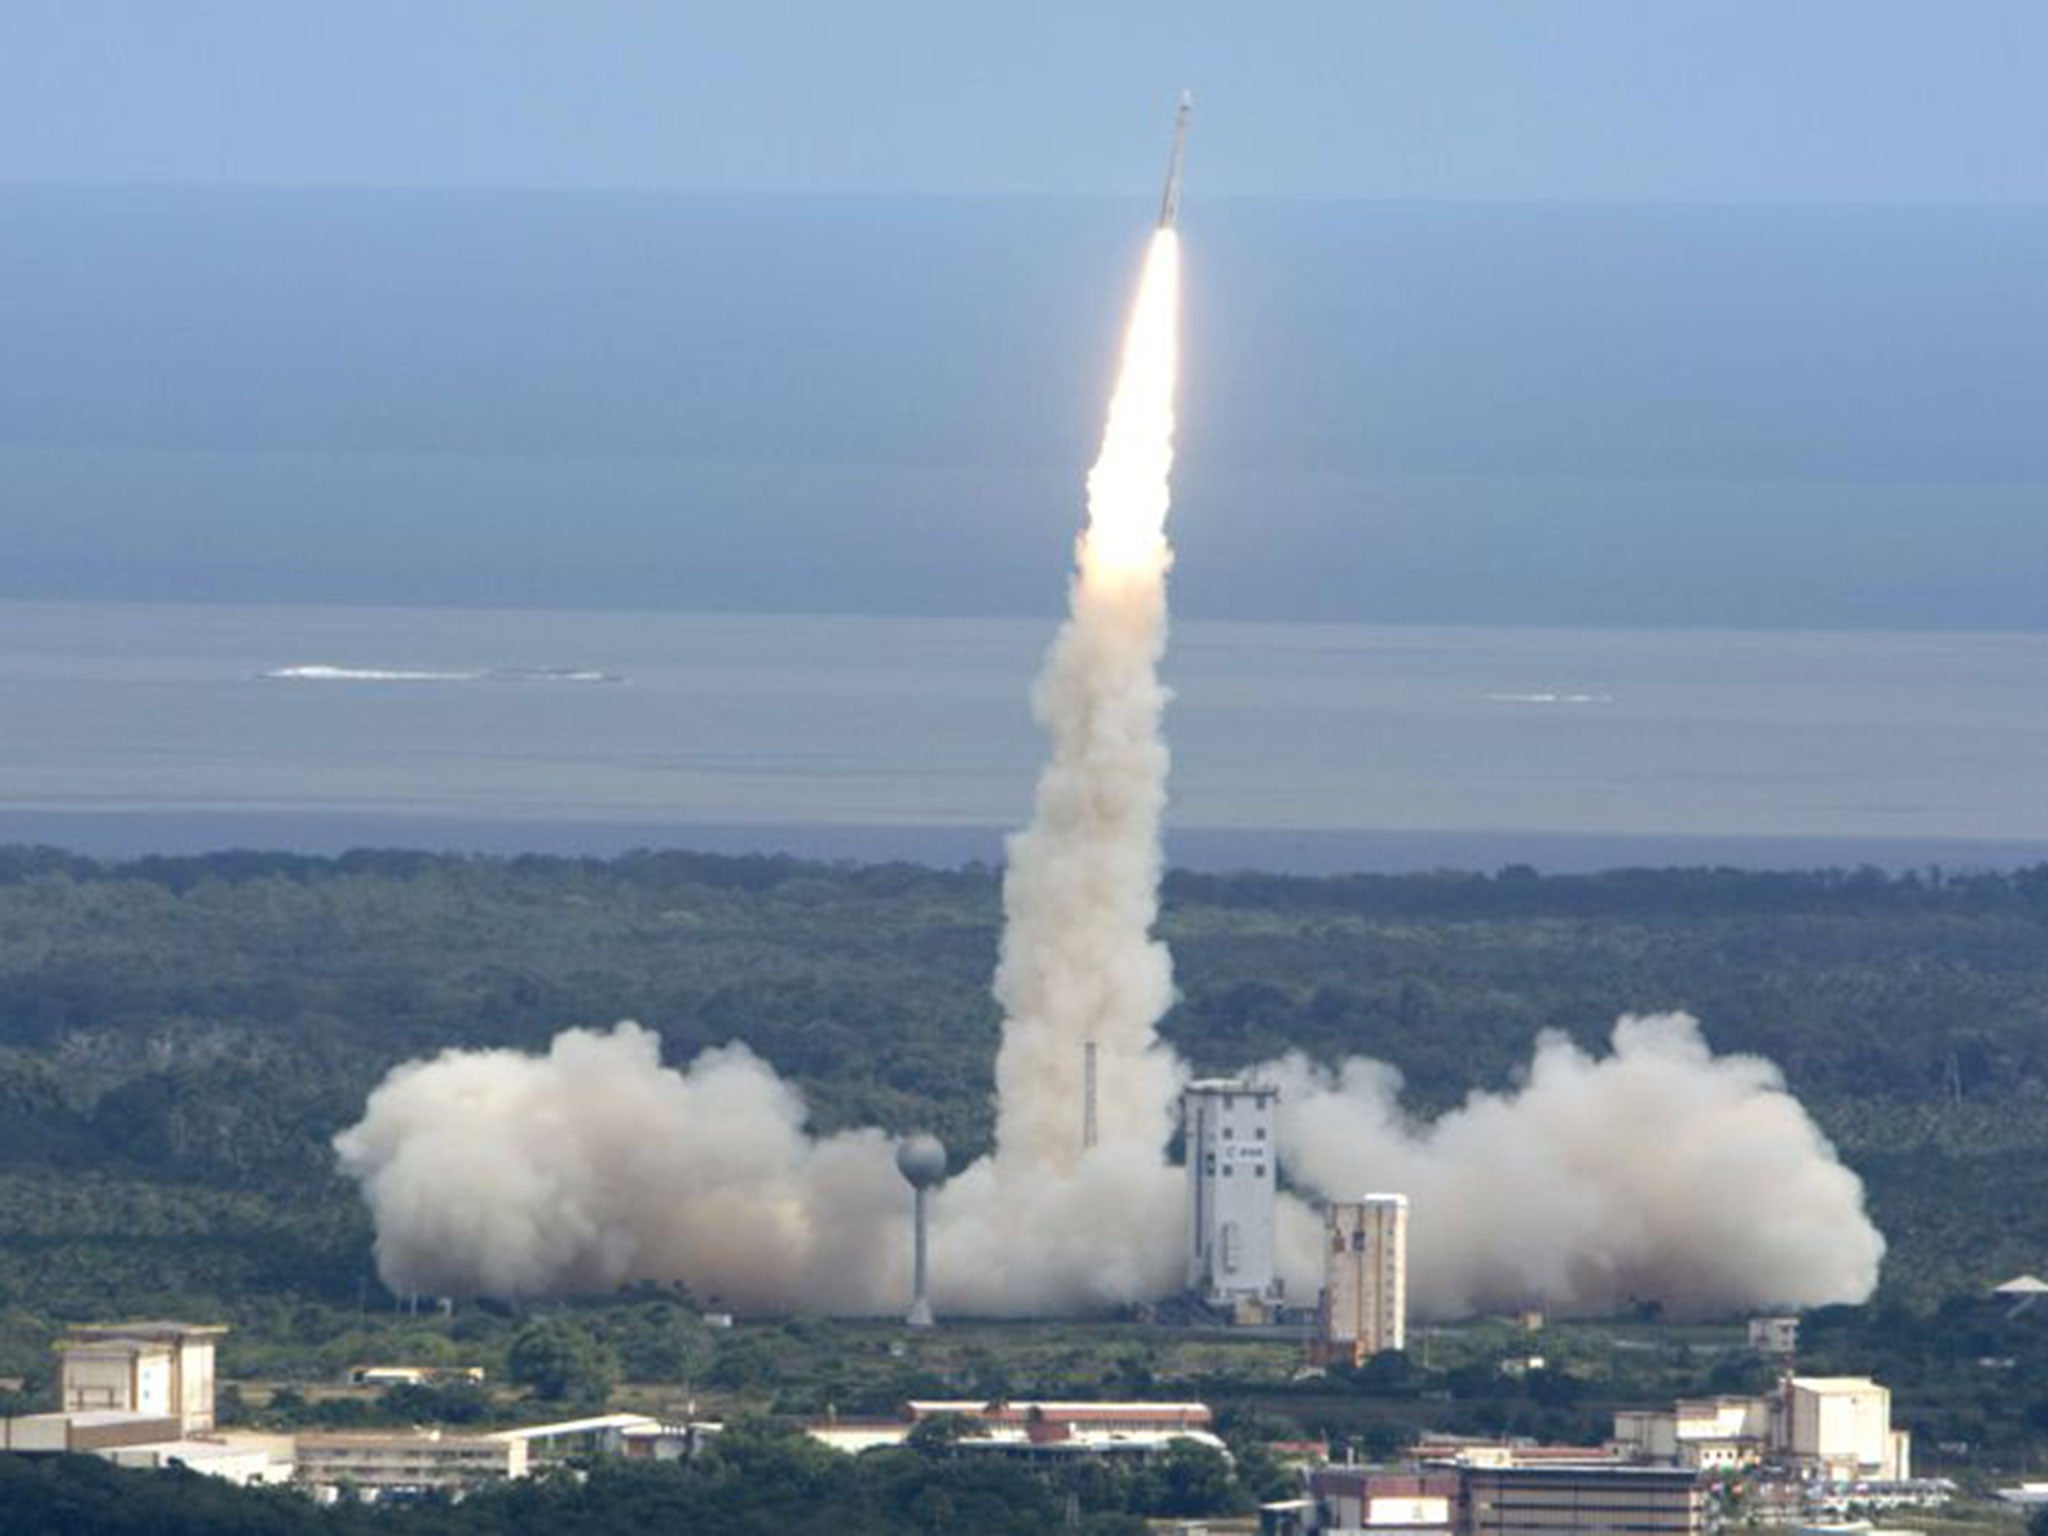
(1659, 1171)
(504, 1174)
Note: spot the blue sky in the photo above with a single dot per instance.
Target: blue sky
(1552, 99)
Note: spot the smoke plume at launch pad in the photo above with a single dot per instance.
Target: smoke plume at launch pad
(1658, 1170)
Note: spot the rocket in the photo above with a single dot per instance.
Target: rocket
(1169, 203)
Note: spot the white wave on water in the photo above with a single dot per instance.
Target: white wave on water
(326, 674)
(550, 675)
(1550, 698)
(331, 674)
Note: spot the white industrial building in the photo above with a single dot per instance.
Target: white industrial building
(1831, 1428)
(1037, 1431)
(1232, 1165)
(141, 1395)
(1364, 1306)
(1701, 1432)
(1840, 1427)
(384, 1462)
(161, 1369)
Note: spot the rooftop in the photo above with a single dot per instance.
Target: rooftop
(155, 1330)
(202, 1450)
(857, 1436)
(1230, 1085)
(621, 1422)
(922, 1408)
(1592, 1466)
(95, 1418)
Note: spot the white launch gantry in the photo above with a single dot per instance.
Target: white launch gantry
(1232, 1168)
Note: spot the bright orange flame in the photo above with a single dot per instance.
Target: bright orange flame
(1127, 488)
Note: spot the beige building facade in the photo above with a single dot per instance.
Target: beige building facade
(427, 1459)
(162, 1369)
(1836, 1428)
(1364, 1307)
(1840, 1428)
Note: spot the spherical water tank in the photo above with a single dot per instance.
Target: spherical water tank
(921, 1159)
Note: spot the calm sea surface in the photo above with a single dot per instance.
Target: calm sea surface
(133, 727)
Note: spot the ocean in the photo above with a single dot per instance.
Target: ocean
(133, 728)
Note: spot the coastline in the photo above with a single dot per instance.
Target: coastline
(123, 834)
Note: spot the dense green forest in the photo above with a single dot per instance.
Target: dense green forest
(180, 1037)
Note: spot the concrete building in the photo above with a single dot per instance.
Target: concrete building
(604, 1434)
(432, 1459)
(138, 1440)
(156, 1368)
(1584, 1500)
(1840, 1428)
(241, 1458)
(1507, 1451)
(1364, 1306)
(141, 1395)
(1700, 1432)
(668, 1439)
(1229, 1127)
(81, 1434)
(1832, 1428)
(1384, 1503)
(408, 1463)
(1036, 1430)
(1107, 1416)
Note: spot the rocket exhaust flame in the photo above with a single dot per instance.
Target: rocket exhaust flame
(708, 1175)
(1128, 492)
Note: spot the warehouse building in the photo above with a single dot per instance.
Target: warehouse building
(1584, 1500)
(423, 1461)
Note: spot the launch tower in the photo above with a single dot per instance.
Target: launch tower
(1229, 1126)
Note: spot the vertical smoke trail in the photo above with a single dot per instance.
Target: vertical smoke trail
(1042, 1223)
(1078, 963)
